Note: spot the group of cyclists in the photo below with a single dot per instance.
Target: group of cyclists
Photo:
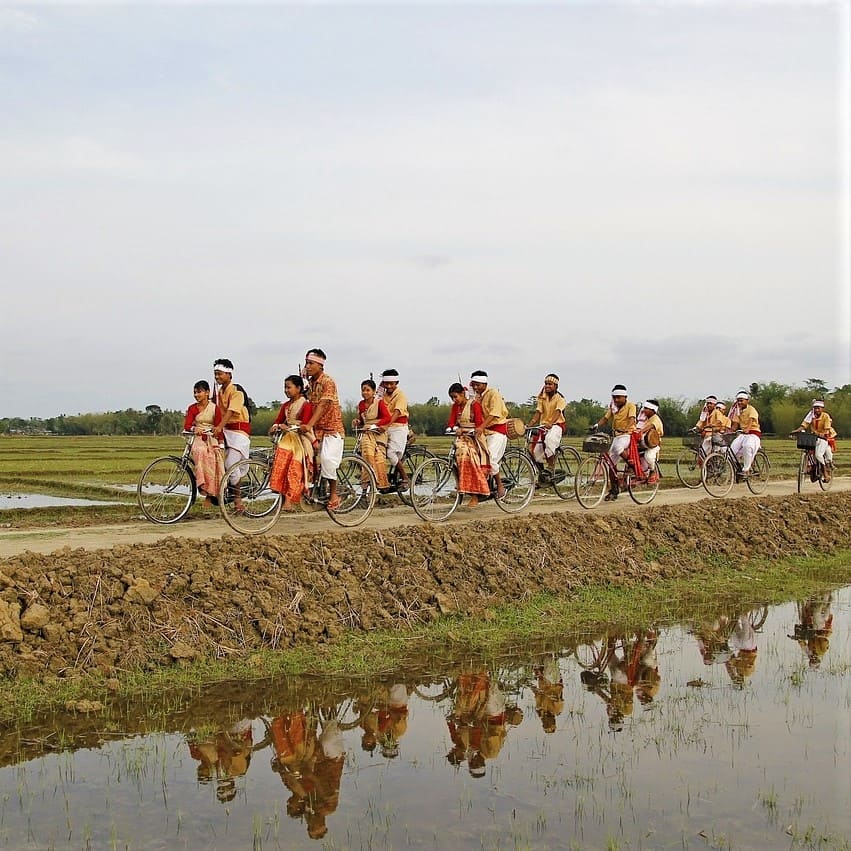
(310, 432)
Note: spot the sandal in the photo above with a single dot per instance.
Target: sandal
(334, 503)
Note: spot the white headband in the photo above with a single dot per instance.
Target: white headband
(220, 367)
(652, 407)
(711, 399)
(818, 402)
(742, 396)
(386, 377)
(480, 377)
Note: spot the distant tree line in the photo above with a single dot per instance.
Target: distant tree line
(781, 408)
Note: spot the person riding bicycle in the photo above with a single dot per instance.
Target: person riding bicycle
(471, 452)
(292, 467)
(201, 418)
(650, 430)
(397, 428)
(494, 425)
(818, 421)
(623, 415)
(326, 421)
(712, 420)
(549, 413)
(744, 418)
(373, 418)
(234, 426)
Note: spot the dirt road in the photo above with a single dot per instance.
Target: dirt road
(212, 526)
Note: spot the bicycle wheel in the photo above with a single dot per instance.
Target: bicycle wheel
(357, 489)
(567, 463)
(717, 474)
(434, 490)
(592, 655)
(760, 471)
(166, 490)
(413, 457)
(758, 616)
(259, 506)
(519, 476)
(688, 468)
(802, 471)
(592, 481)
(643, 490)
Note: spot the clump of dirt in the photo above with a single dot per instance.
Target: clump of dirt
(153, 605)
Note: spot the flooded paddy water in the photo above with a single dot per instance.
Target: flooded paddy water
(731, 730)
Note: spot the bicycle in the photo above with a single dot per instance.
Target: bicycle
(810, 467)
(597, 474)
(261, 506)
(166, 489)
(690, 460)
(722, 468)
(434, 485)
(567, 461)
(414, 456)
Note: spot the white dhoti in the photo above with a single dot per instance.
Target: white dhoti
(744, 448)
(238, 445)
(496, 444)
(650, 458)
(619, 445)
(824, 454)
(397, 440)
(330, 455)
(546, 448)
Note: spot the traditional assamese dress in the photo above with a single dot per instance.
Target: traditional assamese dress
(373, 445)
(471, 452)
(292, 468)
(207, 455)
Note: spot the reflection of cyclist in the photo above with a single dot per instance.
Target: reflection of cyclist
(479, 721)
(310, 765)
(814, 627)
(223, 758)
(549, 693)
(742, 642)
(818, 421)
(549, 413)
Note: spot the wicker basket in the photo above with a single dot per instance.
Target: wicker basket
(596, 443)
(692, 441)
(807, 440)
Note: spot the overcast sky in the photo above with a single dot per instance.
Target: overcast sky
(653, 194)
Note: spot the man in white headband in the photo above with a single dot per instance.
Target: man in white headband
(549, 413)
(326, 421)
(818, 421)
(744, 417)
(710, 422)
(397, 428)
(650, 441)
(493, 427)
(234, 426)
(623, 415)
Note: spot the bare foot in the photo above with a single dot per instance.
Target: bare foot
(473, 502)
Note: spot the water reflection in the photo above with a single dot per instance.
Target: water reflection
(663, 736)
(814, 627)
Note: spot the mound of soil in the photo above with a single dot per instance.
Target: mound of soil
(147, 606)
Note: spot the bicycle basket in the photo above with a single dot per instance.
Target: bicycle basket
(729, 438)
(691, 441)
(596, 443)
(807, 440)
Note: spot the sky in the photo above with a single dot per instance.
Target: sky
(652, 194)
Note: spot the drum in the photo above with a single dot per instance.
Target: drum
(515, 429)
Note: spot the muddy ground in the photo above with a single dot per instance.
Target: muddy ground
(149, 605)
